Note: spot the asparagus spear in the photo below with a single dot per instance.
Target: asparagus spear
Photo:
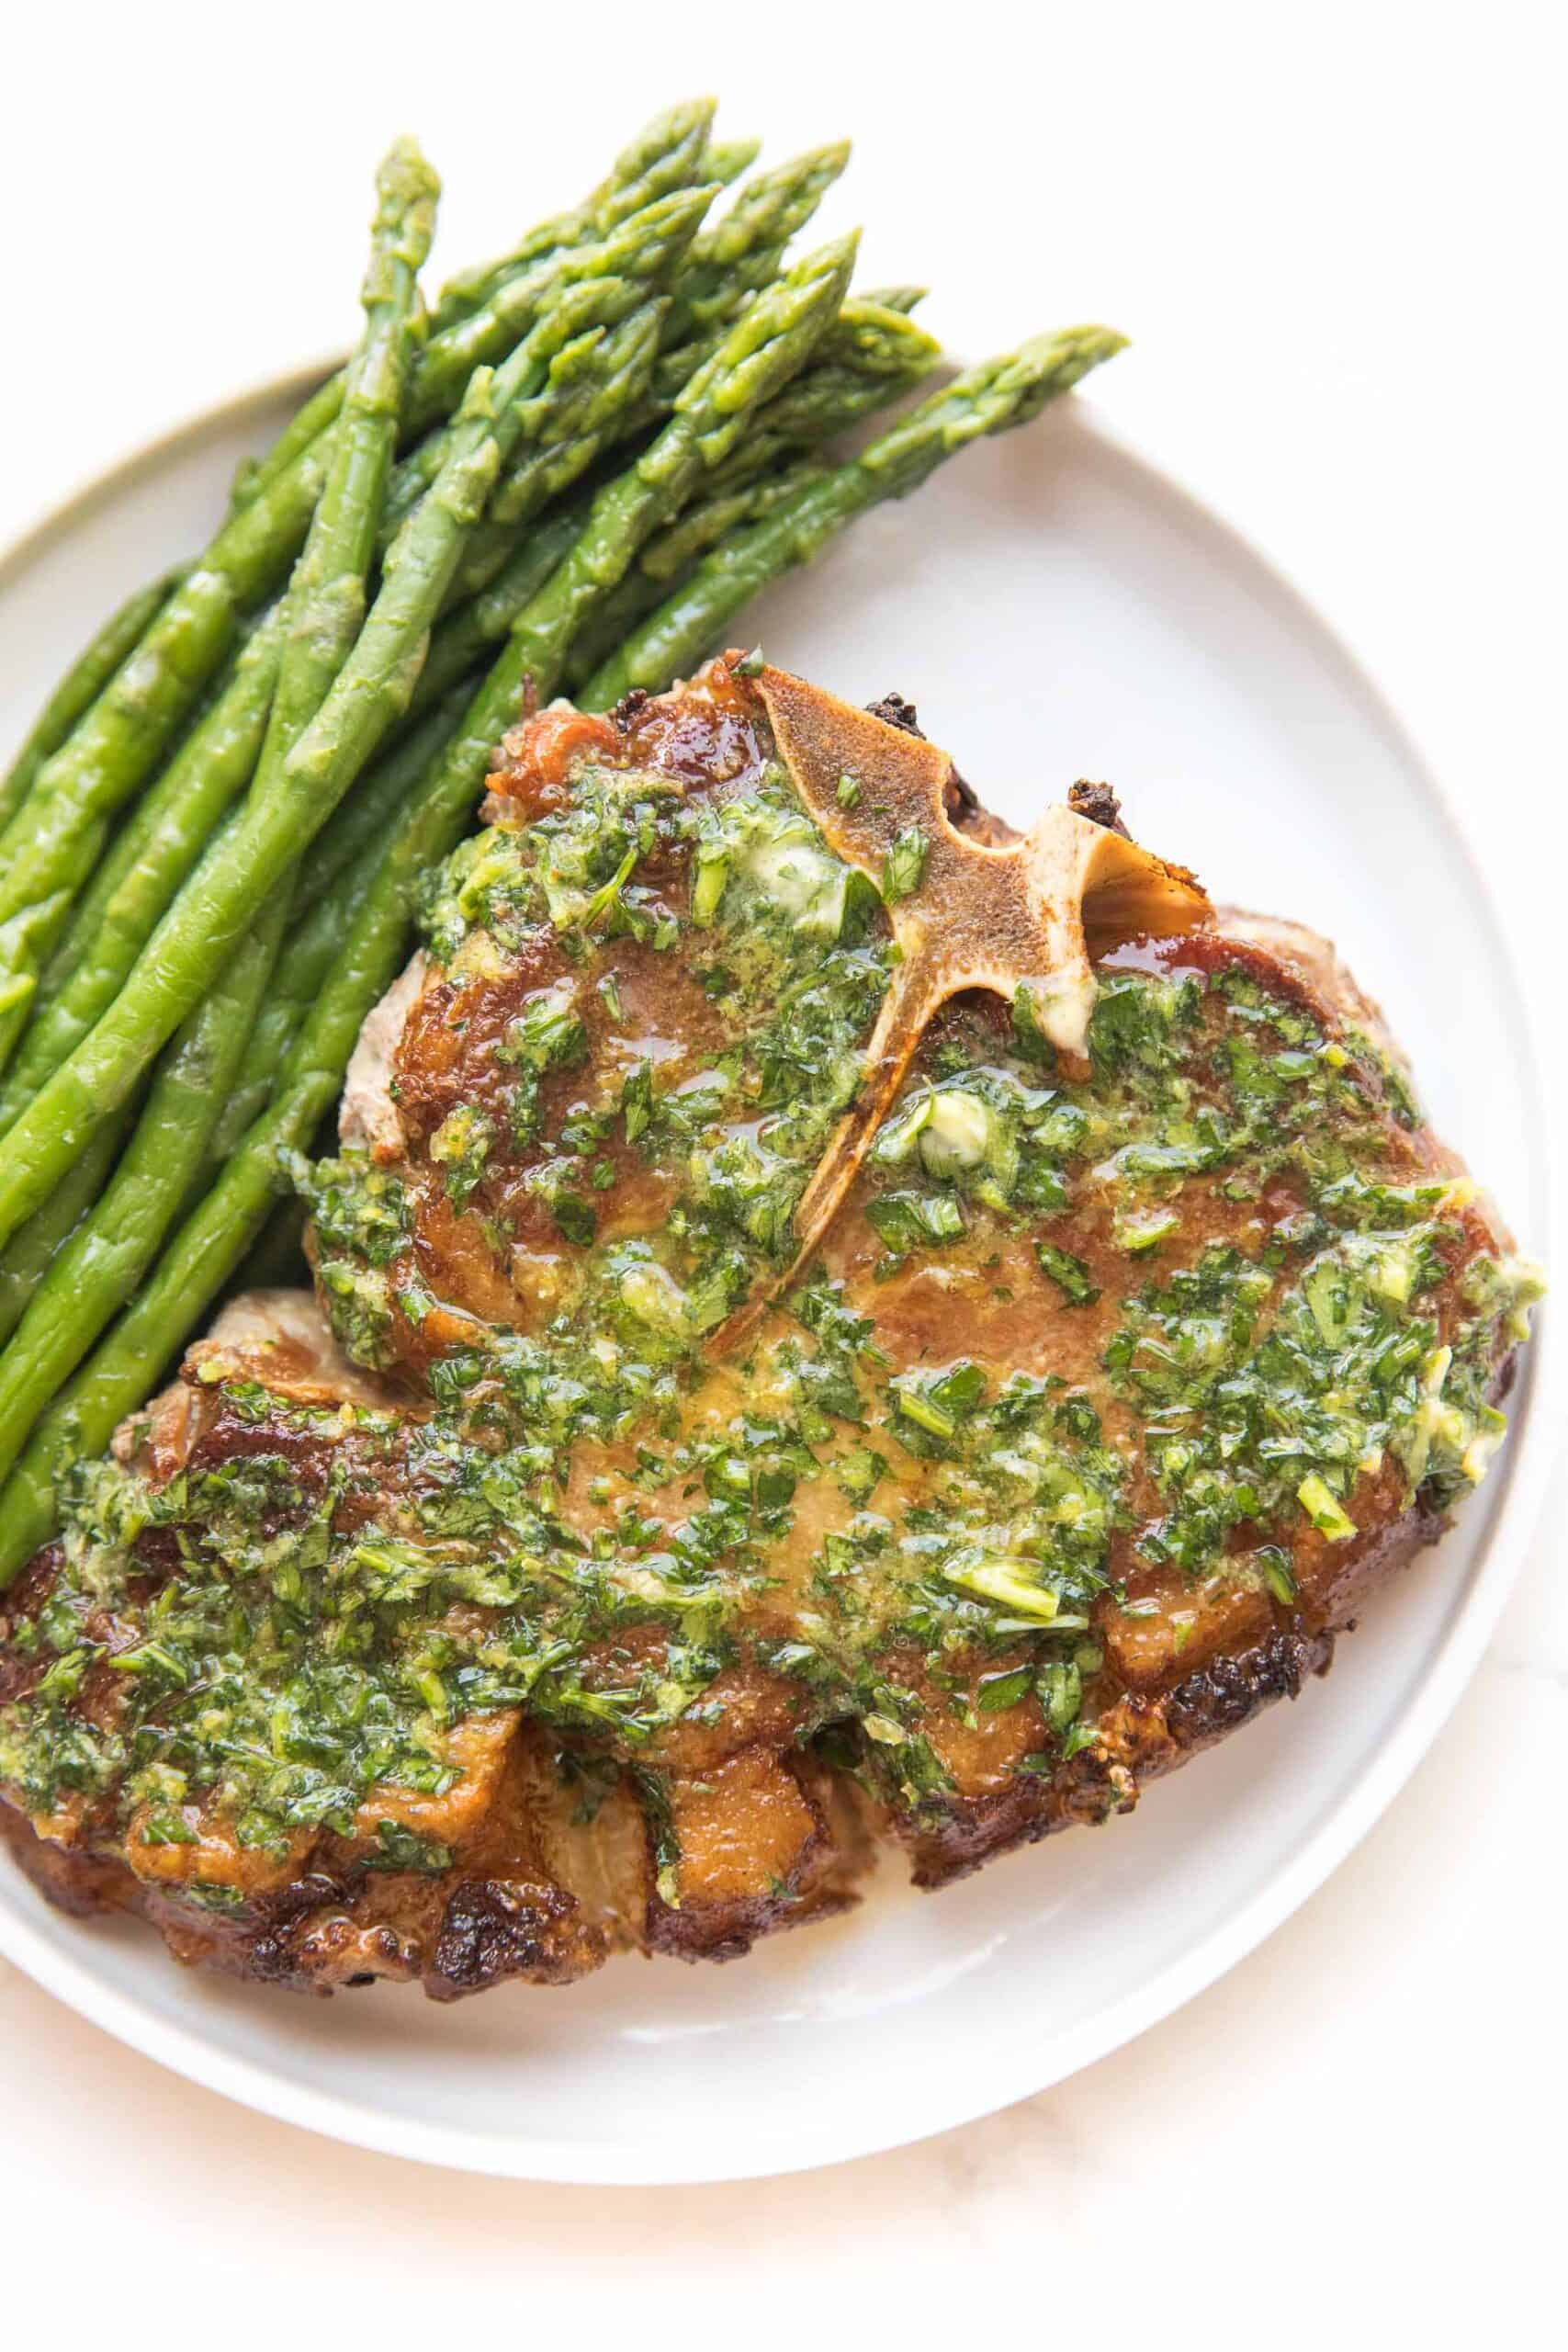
(322, 612)
(99, 1268)
(149, 858)
(669, 559)
(869, 355)
(619, 399)
(865, 358)
(989, 399)
(599, 291)
(647, 246)
(155, 852)
(28, 1257)
(27, 940)
(330, 886)
(325, 607)
(360, 821)
(468, 638)
(80, 688)
(115, 747)
(664, 157)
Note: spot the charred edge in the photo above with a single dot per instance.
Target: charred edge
(495, 1928)
(1140, 1739)
(1100, 804)
(963, 800)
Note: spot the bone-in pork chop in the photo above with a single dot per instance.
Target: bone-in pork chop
(848, 1323)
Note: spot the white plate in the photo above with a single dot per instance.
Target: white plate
(1057, 609)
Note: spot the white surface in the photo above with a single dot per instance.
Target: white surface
(1334, 235)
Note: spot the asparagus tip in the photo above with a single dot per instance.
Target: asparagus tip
(724, 160)
(405, 181)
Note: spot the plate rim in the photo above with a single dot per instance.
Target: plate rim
(1527, 1470)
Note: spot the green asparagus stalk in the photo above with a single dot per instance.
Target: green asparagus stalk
(664, 157)
(592, 319)
(989, 399)
(28, 1255)
(360, 821)
(304, 968)
(100, 1267)
(151, 856)
(671, 557)
(868, 356)
(26, 941)
(644, 243)
(329, 887)
(546, 470)
(325, 605)
(80, 688)
(647, 246)
(749, 498)
(724, 266)
(865, 358)
(466, 638)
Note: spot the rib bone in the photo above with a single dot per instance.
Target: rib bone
(1032, 912)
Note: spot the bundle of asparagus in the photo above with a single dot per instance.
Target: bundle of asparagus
(575, 467)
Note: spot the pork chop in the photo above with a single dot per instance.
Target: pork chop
(801, 1373)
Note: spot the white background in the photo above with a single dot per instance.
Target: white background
(1336, 235)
